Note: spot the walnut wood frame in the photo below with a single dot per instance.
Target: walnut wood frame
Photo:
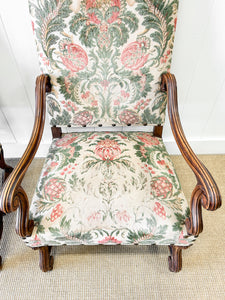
(46, 260)
(13, 197)
(205, 194)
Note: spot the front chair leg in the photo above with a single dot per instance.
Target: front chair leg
(175, 258)
(45, 259)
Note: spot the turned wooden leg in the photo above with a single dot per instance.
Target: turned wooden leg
(45, 259)
(175, 258)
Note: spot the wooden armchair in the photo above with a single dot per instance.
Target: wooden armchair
(107, 64)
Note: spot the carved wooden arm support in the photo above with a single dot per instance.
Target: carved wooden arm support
(13, 196)
(206, 192)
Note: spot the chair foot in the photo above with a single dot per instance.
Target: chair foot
(175, 258)
(45, 259)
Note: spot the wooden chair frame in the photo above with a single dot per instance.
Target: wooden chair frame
(205, 194)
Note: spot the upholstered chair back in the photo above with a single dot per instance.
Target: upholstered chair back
(105, 58)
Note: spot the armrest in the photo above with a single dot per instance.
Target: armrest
(13, 196)
(206, 192)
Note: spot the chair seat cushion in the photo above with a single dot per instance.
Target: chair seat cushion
(108, 188)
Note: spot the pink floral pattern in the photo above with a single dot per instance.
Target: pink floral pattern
(128, 117)
(134, 56)
(159, 210)
(105, 59)
(109, 240)
(56, 212)
(107, 149)
(123, 216)
(109, 50)
(54, 189)
(148, 140)
(112, 190)
(82, 118)
(75, 58)
(65, 141)
(161, 187)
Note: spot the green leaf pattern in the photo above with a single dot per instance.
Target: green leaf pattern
(108, 188)
(105, 57)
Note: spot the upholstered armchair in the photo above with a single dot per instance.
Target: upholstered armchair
(107, 178)
(6, 171)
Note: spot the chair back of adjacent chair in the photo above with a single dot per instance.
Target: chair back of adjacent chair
(105, 58)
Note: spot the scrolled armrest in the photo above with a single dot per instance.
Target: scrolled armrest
(13, 196)
(206, 192)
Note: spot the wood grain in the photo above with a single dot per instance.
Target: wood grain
(45, 259)
(13, 197)
(157, 131)
(206, 192)
(175, 258)
(56, 132)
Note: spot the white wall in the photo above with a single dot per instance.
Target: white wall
(198, 63)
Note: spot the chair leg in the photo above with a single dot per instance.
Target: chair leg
(175, 258)
(45, 259)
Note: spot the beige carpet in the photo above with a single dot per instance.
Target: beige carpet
(122, 272)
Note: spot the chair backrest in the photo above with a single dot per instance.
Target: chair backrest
(105, 58)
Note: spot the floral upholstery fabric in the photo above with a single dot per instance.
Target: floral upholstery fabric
(108, 188)
(105, 58)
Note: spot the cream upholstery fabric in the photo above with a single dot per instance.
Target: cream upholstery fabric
(108, 188)
(105, 58)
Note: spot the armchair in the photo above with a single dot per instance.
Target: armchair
(106, 65)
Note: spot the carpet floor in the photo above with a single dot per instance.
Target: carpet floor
(122, 272)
